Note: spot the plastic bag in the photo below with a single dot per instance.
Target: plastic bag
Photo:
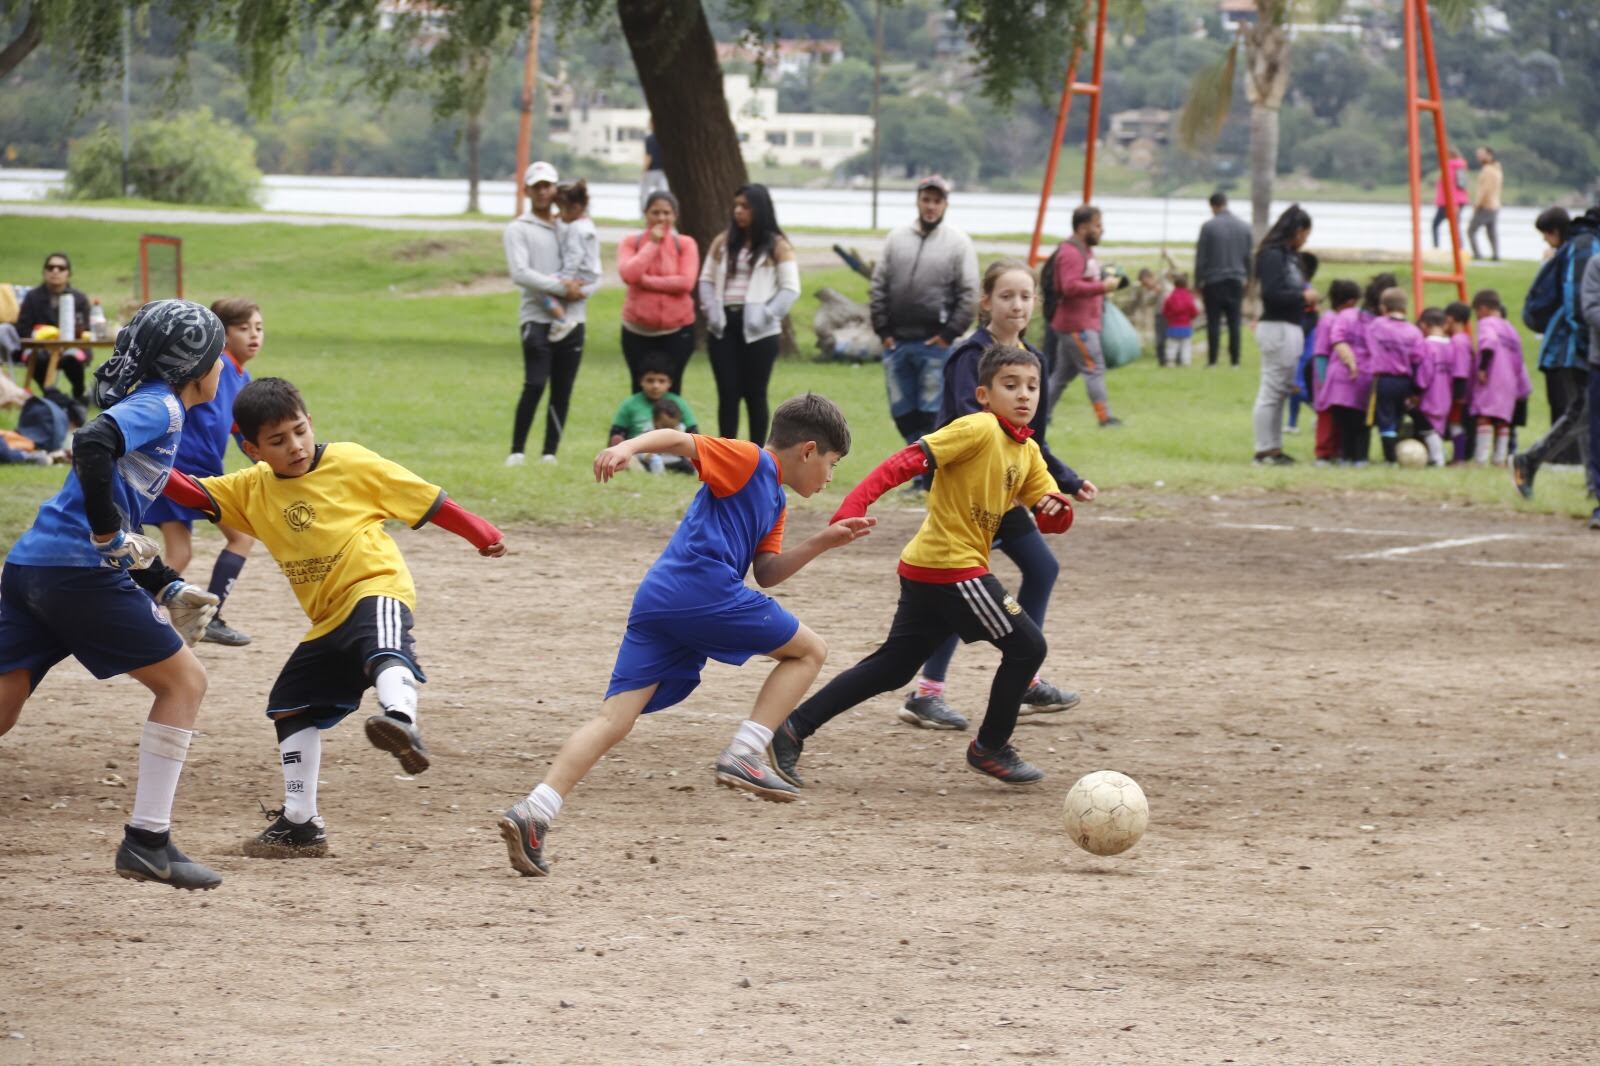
(1119, 341)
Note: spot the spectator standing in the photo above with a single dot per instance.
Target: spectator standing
(1451, 194)
(660, 268)
(1553, 309)
(1221, 270)
(1280, 334)
(1486, 203)
(924, 295)
(1179, 311)
(42, 307)
(533, 256)
(1589, 301)
(1081, 288)
(654, 178)
(748, 282)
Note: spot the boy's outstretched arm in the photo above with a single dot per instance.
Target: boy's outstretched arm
(774, 568)
(655, 442)
(479, 532)
(896, 470)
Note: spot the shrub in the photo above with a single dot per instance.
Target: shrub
(191, 158)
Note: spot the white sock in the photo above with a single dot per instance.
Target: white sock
(1502, 446)
(751, 739)
(162, 749)
(1435, 448)
(1480, 450)
(546, 802)
(397, 691)
(302, 759)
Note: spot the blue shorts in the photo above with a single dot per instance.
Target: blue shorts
(670, 649)
(325, 678)
(95, 614)
(164, 510)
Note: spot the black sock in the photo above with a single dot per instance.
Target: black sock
(147, 837)
(223, 574)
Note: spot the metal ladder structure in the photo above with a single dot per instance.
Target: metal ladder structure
(1417, 25)
(1091, 89)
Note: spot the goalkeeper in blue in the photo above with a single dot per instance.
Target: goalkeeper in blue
(82, 581)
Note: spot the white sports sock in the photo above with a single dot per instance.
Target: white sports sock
(1435, 448)
(751, 739)
(1485, 442)
(1502, 446)
(397, 691)
(301, 754)
(546, 802)
(162, 749)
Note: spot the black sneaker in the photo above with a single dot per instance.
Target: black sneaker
(140, 859)
(524, 833)
(1044, 698)
(220, 632)
(399, 738)
(1274, 459)
(1594, 519)
(1003, 765)
(1111, 422)
(750, 774)
(784, 754)
(284, 839)
(930, 712)
(1522, 471)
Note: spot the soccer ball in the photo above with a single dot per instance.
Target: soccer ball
(1106, 812)
(1411, 454)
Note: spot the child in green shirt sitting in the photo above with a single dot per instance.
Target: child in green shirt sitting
(652, 407)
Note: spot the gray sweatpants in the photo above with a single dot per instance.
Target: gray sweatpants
(1078, 355)
(1281, 344)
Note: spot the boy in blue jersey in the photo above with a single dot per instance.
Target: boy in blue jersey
(693, 605)
(80, 581)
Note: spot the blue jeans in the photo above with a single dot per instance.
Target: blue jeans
(1594, 431)
(1024, 545)
(914, 374)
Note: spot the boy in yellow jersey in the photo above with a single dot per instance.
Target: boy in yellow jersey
(985, 463)
(320, 510)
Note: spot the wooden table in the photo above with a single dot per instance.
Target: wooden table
(55, 348)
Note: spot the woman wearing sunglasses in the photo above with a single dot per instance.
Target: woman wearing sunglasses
(42, 307)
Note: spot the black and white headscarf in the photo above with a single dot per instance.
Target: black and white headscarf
(174, 340)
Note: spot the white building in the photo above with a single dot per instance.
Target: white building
(766, 135)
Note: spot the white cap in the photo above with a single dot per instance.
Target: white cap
(537, 172)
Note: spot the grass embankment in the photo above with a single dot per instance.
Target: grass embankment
(372, 328)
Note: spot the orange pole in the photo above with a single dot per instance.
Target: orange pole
(1073, 87)
(1414, 152)
(1094, 103)
(530, 75)
(1055, 156)
(1442, 142)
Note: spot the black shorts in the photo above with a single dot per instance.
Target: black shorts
(325, 678)
(976, 609)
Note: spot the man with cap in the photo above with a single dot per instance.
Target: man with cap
(924, 296)
(80, 581)
(533, 255)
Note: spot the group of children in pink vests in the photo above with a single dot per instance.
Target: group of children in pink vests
(1372, 365)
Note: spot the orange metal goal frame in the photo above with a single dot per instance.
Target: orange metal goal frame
(145, 241)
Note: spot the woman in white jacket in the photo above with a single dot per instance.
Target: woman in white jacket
(749, 281)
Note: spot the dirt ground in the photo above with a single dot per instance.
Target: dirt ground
(1367, 731)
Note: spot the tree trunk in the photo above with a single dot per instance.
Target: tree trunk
(25, 42)
(676, 60)
(474, 136)
(1263, 166)
(1266, 80)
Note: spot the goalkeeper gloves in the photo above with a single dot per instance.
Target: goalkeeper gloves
(127, 551)
(190, 608)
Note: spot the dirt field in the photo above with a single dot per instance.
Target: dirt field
(1373, 833)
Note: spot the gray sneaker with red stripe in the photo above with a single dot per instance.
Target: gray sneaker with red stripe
(748, 772)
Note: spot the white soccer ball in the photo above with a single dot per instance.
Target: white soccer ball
(1411, 454)
(1106, 812)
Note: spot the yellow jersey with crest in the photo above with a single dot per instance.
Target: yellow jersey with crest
(325, 527)
(980, 473)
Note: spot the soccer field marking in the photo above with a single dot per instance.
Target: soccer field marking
(1433, 546)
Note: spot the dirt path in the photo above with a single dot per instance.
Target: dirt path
(1373, 834)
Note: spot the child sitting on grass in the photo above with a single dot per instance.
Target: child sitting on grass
(654, 406)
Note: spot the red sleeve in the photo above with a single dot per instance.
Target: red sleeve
(1070, 281)
(725, 465)
(772, 543)
(183, 489)
(899, 468)
(632, 258)
(479, 532)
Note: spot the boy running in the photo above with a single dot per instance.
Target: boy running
(79, 582)
(693, 605)
(320, 510)
(985, 462)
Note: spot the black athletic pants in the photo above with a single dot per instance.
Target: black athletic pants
(1222, 299)
(742, 369)
(1355, 437)
(976, 609)
(1568, 387)
(673, 349)
(69, 368)
(544, 362)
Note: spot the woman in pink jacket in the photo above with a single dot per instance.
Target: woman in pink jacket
(660, 267)
(1451, 194)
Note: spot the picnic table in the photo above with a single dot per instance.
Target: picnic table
(55, 348)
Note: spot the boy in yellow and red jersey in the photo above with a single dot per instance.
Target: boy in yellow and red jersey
(320, 510)
(984, 463)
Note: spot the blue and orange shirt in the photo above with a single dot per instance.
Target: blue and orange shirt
(204, 444)
(738, 514)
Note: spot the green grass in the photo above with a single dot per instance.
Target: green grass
(364, 322)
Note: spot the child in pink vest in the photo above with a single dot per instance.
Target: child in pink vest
(1501, 378)
(1434, 379)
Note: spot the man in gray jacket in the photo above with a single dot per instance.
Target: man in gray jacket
(1221, 269)
(924, 296)
(1589, 303)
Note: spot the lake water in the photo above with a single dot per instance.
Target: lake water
(1129, 220)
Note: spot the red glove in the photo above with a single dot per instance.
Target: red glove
(479, 532)
(183, 489)
(1059, 522)
(898, 469)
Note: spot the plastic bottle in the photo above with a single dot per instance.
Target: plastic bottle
(67, 317)
(97, 321)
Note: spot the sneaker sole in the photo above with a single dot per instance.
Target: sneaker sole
(1003, 781)
(772, 761)
(912, 718)
(135, 875)
(257, 848)
(511, 833)
(739, 784)
(1048, 708)
(1524, 489)
(390, 737)
(239, 642)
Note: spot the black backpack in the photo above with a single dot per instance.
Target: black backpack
(1047, 285)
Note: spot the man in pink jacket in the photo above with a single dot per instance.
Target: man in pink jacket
(1081, 289)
